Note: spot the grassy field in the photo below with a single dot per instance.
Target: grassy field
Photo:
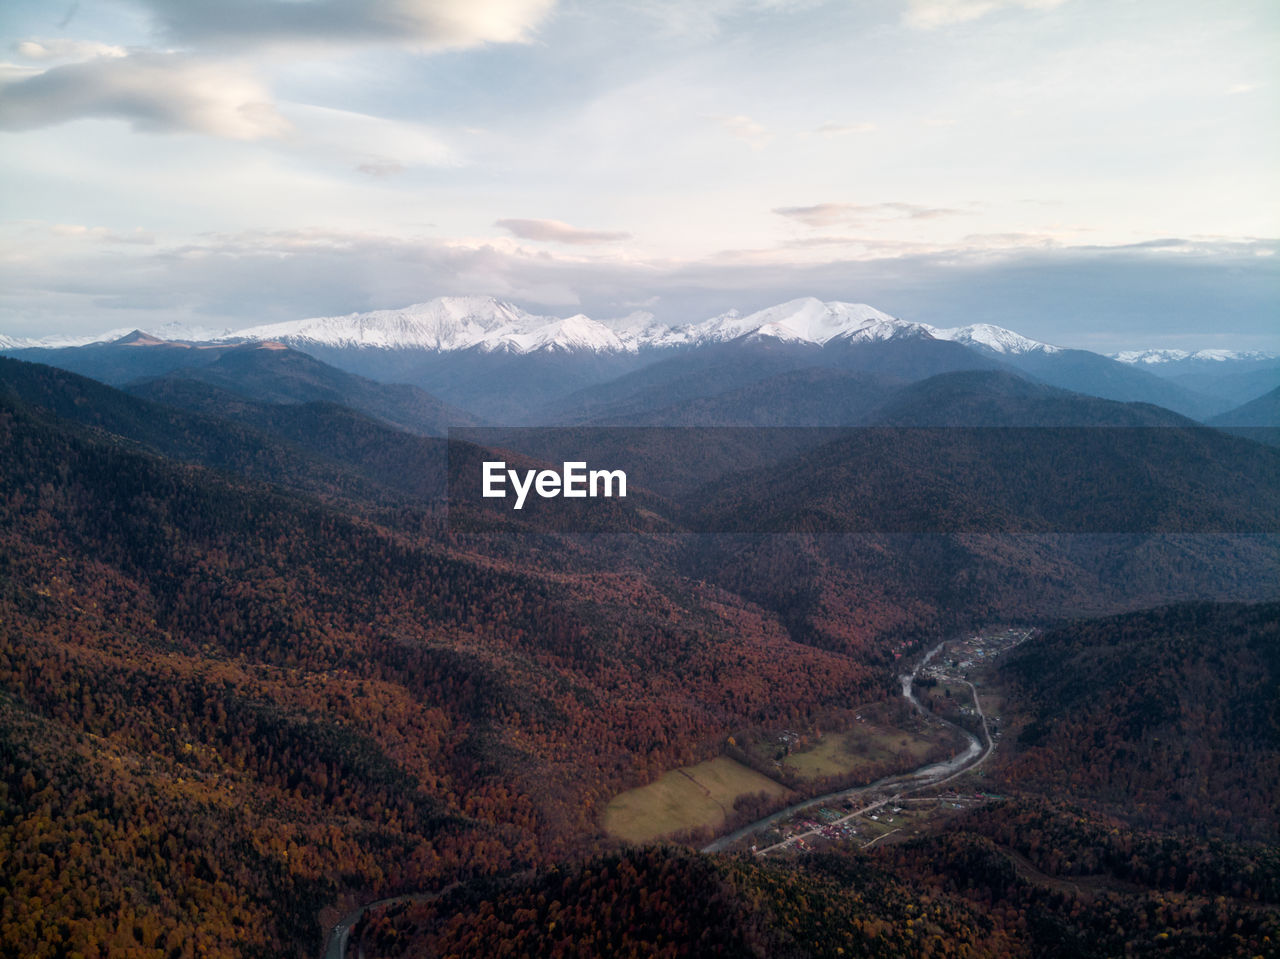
(688, 798)
(868, 742)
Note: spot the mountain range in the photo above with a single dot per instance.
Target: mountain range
(496, 362)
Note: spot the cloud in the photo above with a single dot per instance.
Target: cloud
(830, 214)
(843, 129)
(61, 48)
(154, 92)
(138, 236)
(745, 128)
(417, 24)
(706, 19)
(380, 168)
(554, 231)
(375, 146)
(1069, 295)
(929, 14)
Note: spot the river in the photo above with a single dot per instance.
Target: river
(933, 774)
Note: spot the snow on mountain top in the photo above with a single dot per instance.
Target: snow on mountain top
(58, 341)
(806, 320)
(995, 339)
(450, 323)
(445, 323)
(1155, 357)
(574, 333)
(168, 332)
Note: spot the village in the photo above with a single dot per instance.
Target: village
(855, 821)
(885, 811)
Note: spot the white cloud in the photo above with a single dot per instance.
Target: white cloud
(756, 134)
(236, 279)
(705, 18)
(380, 168)
(844, 129)
(154, 92)
(554, 231)
(830, 214)
(928, 14)
(415, 24)
(61, 48)
(102, 234)
(375, 146)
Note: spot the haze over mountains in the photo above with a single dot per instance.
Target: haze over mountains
(502, 364)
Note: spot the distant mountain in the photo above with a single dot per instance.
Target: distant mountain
(444, 324)
(813, 396)
(993, 339)
(131, 355)
(1257, 420)
(804, 320)
(1264, 411)
(1233, 376)
(505, 364)
(996, 398)
(169, 332)
(1007, 480)
(449, 323)
(716, 369)
(273, 373)
(315, 447)
(1083, 372)
(1188, 358)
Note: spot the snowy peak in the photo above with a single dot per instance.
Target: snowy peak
(486, 324)
(576, 333)
(445, 323)
(1158, 357)
(161, 333)
(992, 339)
(807, 320)
(141, 338)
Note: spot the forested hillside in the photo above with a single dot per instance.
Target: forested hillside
(230, 707)
(1171, 717)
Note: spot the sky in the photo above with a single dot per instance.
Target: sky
(1091, 173)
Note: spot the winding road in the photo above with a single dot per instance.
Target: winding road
(884, 790)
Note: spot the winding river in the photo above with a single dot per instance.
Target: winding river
(893, 786)
(880, 792)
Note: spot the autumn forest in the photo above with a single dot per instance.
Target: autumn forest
(252, 677)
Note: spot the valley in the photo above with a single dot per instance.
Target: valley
(255, 670)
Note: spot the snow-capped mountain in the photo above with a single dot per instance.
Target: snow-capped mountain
(457, 323)
(172, 332)
(806, 320)
(576, 333)
(1159, 357)
(501, 361)
(58, 341)
(993, 339)
(452, 323)
(444, 324)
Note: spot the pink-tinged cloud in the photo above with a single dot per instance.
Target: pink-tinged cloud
(831, 214)
(554, 231)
